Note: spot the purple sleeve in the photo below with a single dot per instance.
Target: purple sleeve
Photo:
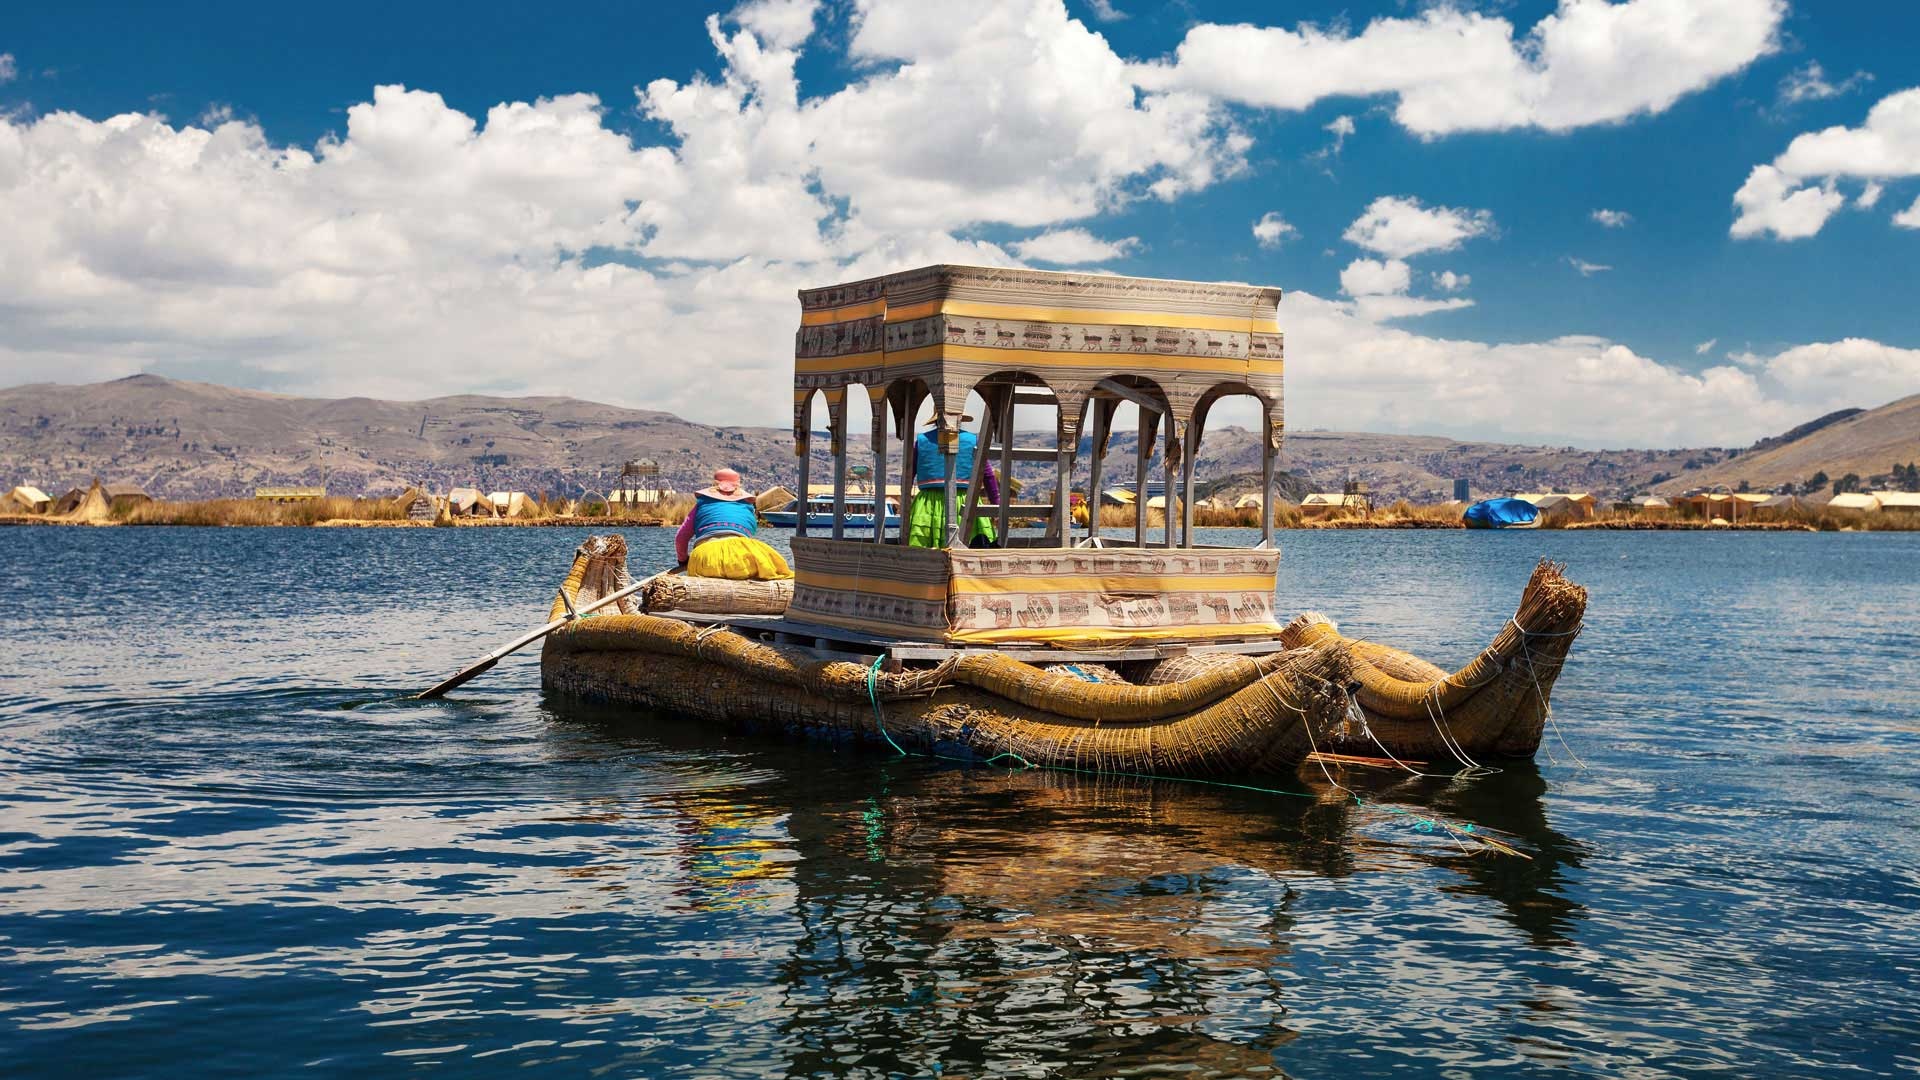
(991, 483)
(681, 538)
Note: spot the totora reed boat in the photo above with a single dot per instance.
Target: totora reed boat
(1145, 654)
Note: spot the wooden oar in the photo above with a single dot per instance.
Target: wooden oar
(525, 640)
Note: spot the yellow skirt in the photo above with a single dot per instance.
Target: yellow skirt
(737, 558)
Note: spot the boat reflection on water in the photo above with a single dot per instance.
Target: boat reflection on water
(983, 919)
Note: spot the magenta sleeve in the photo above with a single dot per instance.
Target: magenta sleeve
(681, 538)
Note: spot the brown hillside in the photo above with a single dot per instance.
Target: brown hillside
(1868, 443)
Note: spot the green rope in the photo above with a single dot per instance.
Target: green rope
(873, 695)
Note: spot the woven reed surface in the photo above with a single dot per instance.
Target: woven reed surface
(718, 596)
(1200, 714)
(1259, 729)
(1495, 705)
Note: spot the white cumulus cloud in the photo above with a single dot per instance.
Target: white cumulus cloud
(1585, 390)
(1450, 69)
(1587, 269)
(1613, 219)
(1073, 247)
(1793, 196)
(538, 249)
(1448, 281)
(1272, 230)
(1400, 228)
(1705, 347)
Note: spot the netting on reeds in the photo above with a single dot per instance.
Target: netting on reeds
(1495, 704)
(1193, 715)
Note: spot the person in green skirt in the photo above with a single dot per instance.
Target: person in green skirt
(927, 518)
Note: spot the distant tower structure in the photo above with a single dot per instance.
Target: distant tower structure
(639, 483)
(1460, 489)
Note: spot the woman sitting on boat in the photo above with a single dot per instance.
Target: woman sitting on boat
(717, 539)
(927, 521)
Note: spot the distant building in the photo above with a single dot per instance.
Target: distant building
(289, 494)
(1252, 500)
(469, 502)
(1324, 503)
(1460, 489)
(26, 499)
(1901, 502)
(1578, 505)
(1854, 502)
(125, 496)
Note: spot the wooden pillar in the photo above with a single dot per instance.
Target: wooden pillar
(1167, 459)
(1267, 455)
(950, 449)
(1063, 477)
(1186, 481)
(909, 458)
(1141, 452)
(837, 423)
(878, 403)
(1004, 428)
(805, 449)
(1096, 456)
(974, 477)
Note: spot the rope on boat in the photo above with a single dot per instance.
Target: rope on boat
(1546, 710)
(1420, 823)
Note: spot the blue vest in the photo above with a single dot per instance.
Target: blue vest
(718, 517)
(930, 465)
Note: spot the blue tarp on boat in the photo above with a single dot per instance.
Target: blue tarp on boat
(1500, 514)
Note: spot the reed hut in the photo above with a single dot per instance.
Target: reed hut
(91, 506)
(417, 504)
(124, 497)
(1853, 502)
(1898, 502)
(469, 502)
(27, 499)
(774, 498)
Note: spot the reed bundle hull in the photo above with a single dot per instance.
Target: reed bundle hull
(1190, 715)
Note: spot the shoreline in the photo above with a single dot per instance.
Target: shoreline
(1361, 524)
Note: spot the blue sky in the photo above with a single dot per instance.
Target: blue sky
(1556, 326)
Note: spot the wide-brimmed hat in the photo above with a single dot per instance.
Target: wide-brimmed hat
(965, 418)
(726, 485)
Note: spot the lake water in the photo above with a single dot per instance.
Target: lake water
(227, 847)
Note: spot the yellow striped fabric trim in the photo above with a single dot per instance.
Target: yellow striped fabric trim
(826, 365)
(1107, 637)
(1024, 313)
(906, 590)
(1145, 584)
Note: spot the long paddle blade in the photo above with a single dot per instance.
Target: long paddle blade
(484, 663)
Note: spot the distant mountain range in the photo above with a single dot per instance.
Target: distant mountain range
(194, 440)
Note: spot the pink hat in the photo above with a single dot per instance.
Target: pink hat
(726, 485)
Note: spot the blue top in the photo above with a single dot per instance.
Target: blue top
(930, 465)
(1500, 513)
(722, 517)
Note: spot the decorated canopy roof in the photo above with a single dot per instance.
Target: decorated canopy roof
(951, 327)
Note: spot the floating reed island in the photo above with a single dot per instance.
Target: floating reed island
(1058, 650)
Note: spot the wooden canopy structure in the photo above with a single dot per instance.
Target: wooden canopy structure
(1080, 344)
